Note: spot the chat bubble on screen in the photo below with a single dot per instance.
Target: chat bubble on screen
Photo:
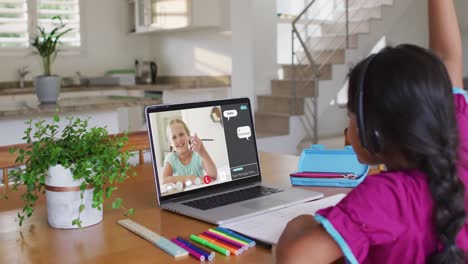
(244, 132)
(230, 113)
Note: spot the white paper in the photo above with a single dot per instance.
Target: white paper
(269, 226)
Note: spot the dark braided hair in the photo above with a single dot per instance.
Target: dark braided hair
(408, 100)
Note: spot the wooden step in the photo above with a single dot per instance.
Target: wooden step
(339, 28)
(329, 56)
(332, 42)
(271, 124)
(284, 88)
(322, 57)
(363, 3)
(305, 71)
(280, 104)
(357, 14)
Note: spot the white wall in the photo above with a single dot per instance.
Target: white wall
(265, 51)
(106, 45)
(243, 47)
(243, 77)
(253, 25)
(418, 32)
(195, 52)
(465, 55)
(192, 52)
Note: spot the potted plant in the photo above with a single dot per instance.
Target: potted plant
(46, 45)
(77, 169)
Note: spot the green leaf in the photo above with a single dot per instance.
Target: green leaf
(82, 207)
(109, 191)
(77, 222)
(117, 203)
(129, 212)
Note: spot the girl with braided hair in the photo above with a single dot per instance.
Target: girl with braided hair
(404, 113)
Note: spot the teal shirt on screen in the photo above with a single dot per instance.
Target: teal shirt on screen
(179, 169)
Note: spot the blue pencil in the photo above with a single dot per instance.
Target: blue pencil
(208, 255)
(230, 233)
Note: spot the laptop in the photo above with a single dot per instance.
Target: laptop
(234, 190)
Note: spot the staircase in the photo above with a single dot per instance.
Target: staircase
(327, 33)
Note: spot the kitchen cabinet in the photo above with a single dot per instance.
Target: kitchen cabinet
(165, 15)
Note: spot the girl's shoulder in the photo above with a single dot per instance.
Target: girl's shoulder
(392, 188)
(171, 157)
(394, 178)
(461, 101)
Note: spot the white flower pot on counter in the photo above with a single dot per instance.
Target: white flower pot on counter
(47, 88)
(63, 200)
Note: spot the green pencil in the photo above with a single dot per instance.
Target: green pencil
(202, 241)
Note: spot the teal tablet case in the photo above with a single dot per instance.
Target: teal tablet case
(319, 159)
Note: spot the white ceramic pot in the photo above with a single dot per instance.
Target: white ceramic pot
(47, 88)
(63, 200)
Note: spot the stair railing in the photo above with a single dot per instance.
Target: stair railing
(313, 65)
(306, 70)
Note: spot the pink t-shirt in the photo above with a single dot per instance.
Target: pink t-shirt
(388, 217)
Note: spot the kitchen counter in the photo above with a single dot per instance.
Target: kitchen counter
(31, 108)
(142, 87)
(165, 83)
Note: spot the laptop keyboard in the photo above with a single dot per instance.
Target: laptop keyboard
(231, 197)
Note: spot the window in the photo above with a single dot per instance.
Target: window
(19, 20)
(68, 10)
(13, 23)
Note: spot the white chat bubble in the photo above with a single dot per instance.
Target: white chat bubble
(244, 132)
(230, 113)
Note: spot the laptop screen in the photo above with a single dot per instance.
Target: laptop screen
(200, 145)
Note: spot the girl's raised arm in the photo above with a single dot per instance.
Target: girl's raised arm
(445, 39)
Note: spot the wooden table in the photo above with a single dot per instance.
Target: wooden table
(108, 242)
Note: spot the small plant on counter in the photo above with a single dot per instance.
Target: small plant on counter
(95, 159)
(46, 44)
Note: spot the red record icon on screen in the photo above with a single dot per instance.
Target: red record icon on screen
(207, 179)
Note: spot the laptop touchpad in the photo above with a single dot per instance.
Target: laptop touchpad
(261, 204)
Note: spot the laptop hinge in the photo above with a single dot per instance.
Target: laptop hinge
(191, 196)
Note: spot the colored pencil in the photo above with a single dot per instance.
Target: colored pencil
(210, 245)
(192, 252)
(230, 237)
(229, 232)
(226, 240)
(233, 250)
(208, 255)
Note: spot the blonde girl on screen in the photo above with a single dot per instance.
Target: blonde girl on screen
(189, 160)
